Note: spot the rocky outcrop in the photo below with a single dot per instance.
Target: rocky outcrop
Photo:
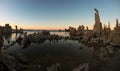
(98, 24)
(115, 37)
(72, 31)
(106, 34)
(13, 62)
(7, 29)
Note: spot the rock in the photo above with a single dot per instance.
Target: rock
(55, 67)
(44, 32)
(84, 67)
(98, 24)
(9, 62)
(33, 68)
(20, 57)
(110, 49)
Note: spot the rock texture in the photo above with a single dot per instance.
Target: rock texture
(115, 37)
(98, 25)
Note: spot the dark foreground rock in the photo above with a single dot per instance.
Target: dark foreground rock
(18, 62)
(12, 62)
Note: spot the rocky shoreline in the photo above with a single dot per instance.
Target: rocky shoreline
(18, 62)
(103, 41)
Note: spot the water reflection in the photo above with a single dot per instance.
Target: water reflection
(53, 40)
(7, 37)
(64, 34)
(54, 50)
(51, 51)
(16, 34)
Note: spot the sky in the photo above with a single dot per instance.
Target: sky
(57, 14)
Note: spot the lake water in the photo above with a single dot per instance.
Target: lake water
(66, 52)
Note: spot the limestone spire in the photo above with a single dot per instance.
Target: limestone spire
(96, 11)
(117, 23)
(108, 24)
(87, 28)
(105, 26)
(97, 18)
(98, 24)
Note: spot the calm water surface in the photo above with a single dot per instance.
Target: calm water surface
(66, 52)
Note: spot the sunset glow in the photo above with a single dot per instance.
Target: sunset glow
(56, 14)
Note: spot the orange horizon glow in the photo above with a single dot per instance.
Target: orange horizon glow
(46, 27)
(55, 27)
